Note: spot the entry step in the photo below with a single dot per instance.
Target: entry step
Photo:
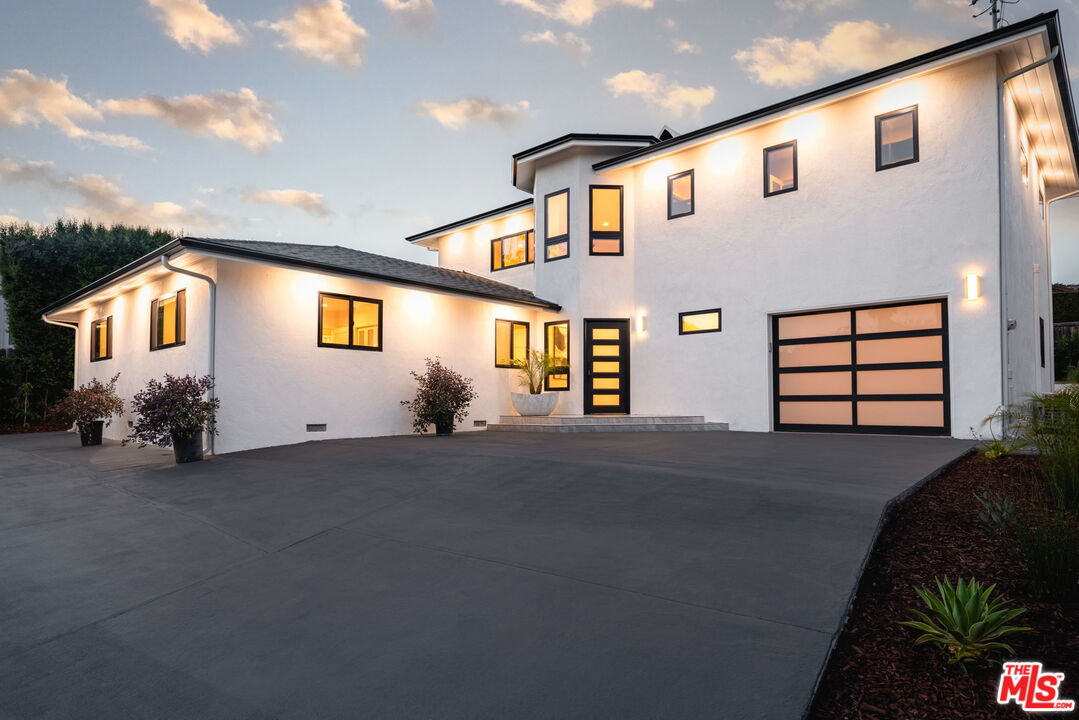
(606, 423)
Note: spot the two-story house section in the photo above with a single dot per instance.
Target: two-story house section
(869, 257)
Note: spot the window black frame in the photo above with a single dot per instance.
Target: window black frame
(558, 239)
(791, 144)
(530, 243)
(561, 369)
(351, 322)
(528, 338)
(94, 347)
(913, 110)
(594, 234)
(853, 337)
(181, 321)
(719, 323)
(692, 193)
(1041, 339)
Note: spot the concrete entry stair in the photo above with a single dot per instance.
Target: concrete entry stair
(605, 423)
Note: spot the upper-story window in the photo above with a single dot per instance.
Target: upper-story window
(349, 322)
(513, 250)
(101, 339)
(781, 168)
(556, 225)
(605, 211)
(897, 138)
(680, 195)
(168, 316)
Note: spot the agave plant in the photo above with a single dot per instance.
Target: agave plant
(965, 621)
(998, 510)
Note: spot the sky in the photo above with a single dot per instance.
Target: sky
(358, 123)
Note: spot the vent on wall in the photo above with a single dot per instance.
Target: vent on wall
(316, 427)
(479, 423)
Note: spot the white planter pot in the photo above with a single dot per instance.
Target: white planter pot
(527, 404)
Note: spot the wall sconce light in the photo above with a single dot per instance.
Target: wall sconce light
(640, 322)
(974, 286)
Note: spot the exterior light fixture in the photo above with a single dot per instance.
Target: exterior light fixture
(974, 286)
(640, 322)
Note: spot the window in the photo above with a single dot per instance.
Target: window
(556, 345)
(556, 225)
(513, 250)
(897, 138)
(167, 320)
(1041, 339)
(605, 212)
(511, 342)
(781, 168)
(700, 321)
(101, 340)
(680, 195)
(349, 322)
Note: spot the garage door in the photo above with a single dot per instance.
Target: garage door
(877, 369)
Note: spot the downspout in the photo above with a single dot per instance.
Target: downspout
(213, 330)
(1001, 255)
(75, 327)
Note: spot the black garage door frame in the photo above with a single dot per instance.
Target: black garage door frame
(854, 367)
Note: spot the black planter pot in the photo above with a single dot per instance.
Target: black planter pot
(94, 436)
(187, 447)
(444, 425)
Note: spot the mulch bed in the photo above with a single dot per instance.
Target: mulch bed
(876, 672)
(18, 428)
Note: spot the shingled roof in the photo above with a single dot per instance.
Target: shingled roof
(333, 259)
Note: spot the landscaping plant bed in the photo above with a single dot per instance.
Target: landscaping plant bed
(877, 672)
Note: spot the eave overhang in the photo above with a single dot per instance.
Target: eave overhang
(524, 162)
(426, 237)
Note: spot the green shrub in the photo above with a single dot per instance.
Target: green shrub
(1050, 423)
(1048, 539)
(965, 621)
(1066, 356)
(998, 442)
(998, 510)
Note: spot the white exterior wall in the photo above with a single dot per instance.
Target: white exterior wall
(131, 355)
(470, 249)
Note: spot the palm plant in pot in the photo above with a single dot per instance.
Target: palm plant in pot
(91, 407)
(534, 369)
(442, 398)
(174, 412)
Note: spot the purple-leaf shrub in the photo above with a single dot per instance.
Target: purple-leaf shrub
(173, 406)
(442, 394)
(90, 402)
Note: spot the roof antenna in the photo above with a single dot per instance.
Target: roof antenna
(996, 8)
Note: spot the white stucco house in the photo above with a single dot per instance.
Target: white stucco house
(869, 257)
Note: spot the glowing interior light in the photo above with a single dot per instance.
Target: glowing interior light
(1054, 153)
(1046, 126)
(974, 290)
(1035, 91)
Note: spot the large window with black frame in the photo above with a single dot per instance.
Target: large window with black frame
(556, 225)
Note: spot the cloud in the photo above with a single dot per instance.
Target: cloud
(101, 199)
(193, 25)
(684, 47)
(848, 46)
(26, 99)
(670, 23)
(309, 202)
(238, 116)
(654, 88)
(323, 31)
(951, 9)
(576, 12)
(817, 6)
(570, 42)
(417, 14)
(12, 220)
(456, 115)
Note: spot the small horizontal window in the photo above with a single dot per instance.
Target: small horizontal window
(513, 250)
(101, 339)
(349, 322)
(897, 138)
(781, 168)
(680, 195)
(168, 320)
(605, 211)
(511, 342)
(556, 225)
(700, 321)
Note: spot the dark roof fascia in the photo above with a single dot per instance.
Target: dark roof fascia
(573, 137)
(210, 246)
(519, 205)
(112, 277)
(1050, 20)
(1060, 65)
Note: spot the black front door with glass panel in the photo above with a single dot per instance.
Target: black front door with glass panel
(606, 358)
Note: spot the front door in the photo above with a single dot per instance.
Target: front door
(606, 359)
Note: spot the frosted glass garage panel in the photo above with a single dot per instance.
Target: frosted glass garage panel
(901, 350)
(837, 353)
(819, 325)
(901, 382)
(816, 413)
(815, 383)
(929, 413)
(927, 316)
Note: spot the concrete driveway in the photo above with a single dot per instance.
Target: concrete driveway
(488, 575)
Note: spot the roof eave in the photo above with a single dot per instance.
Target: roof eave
(498, 212)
